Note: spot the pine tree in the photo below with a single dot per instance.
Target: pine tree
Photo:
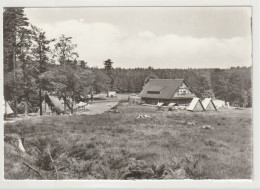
(108, 65)
(41, 53)
(108, 69)
(14, 26)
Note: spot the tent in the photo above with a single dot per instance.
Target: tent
(220, 103)
(171, 106)
(208, 104)
(52, 105)
(196, 105)
(159, 104)
(7, 109)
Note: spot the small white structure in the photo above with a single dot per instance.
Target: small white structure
(159, 104)
(111, 93)
(171, 105)
(7, 109)
(208, 104)
(196, 105)
(220, 103)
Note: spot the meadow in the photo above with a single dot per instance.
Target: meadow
(121, 146)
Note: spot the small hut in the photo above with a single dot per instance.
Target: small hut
(196, 105)
(111, 93)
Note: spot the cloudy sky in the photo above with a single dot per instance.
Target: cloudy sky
(161, 37)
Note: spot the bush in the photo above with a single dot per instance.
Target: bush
(138, 169)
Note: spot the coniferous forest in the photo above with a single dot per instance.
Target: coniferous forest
(34, 65)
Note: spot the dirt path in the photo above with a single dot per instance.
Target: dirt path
(98, 108)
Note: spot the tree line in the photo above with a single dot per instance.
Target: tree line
(34, 65)
(231, 85)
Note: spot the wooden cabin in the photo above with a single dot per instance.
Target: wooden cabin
(167, 91)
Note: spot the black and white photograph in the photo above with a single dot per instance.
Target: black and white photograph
(128, 93)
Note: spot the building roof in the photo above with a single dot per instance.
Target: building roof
(165, 88)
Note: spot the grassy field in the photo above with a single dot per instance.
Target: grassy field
(120, 146)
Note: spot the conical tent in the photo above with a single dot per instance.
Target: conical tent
(196, 105)
(208, 104)
(7, 109)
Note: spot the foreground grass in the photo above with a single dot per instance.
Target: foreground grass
(120, 146)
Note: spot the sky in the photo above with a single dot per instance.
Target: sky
(160, 37)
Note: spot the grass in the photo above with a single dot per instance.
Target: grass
(120, 146)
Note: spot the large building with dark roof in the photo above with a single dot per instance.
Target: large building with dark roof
(167, 91)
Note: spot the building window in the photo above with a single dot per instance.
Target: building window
(153, 92)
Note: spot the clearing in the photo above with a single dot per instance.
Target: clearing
(121, 146)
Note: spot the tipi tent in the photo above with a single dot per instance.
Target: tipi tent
(208, 104)
(196, 105)
(7, 109)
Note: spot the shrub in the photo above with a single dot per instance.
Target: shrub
(138, 169)
(194, 166)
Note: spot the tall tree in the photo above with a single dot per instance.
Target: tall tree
(25, 67)
(108, 69)
(108, 65)
(41, 53)
(14, 26)
(65, 50)
(66, 55)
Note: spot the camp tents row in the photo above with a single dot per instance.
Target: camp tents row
(50, 105)
(206, 105)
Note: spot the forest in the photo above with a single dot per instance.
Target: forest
(34, 65)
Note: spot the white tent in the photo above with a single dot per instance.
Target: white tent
(196, 105)
(219, 103)
(208, 104)
(171, 105)
(52, 105)
(7, 109)
(159, 104)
